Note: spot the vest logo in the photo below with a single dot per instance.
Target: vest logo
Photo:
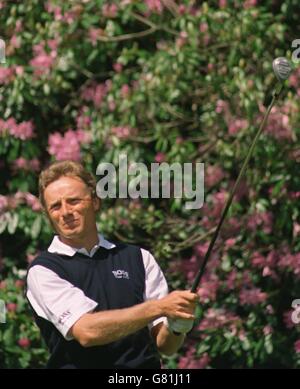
(120, 274)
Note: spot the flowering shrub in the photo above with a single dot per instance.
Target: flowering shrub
(160, 81)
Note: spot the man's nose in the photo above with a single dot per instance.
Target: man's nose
(65, 208)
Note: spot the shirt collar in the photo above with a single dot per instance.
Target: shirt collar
(58, 247)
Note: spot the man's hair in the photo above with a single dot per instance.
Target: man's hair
(65, 169)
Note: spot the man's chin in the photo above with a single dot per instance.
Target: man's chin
(70, 233)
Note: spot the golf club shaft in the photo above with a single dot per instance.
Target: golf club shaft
(229, 201)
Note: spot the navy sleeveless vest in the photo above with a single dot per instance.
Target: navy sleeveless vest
(115, 279)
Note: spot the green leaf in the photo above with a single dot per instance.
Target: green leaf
(36, 227)
(3, 223)
(13, 223)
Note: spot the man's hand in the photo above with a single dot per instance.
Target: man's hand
(179, 308)
(179, 304)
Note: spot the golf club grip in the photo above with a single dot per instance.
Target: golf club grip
(232, 193)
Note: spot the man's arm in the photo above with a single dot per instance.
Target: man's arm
(167, 343)
(104, 327)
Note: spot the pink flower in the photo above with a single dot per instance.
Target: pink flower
(23, 131)
(217, 318)
(261, 220)
(221, 106)
(252, 296)
(19, 283)
(231, 279)
(3, 203)
(34, 164)
(24, 342)
(215, 208)
(19, 26)
(33, 202)
(297, 346)
(125, 90)
(2, 285)
(208, 290)
(84, 136)
(222, 3)
(236, 125)
(191, 361)
(112, 105)
(94, 34)
(43, 63)
(20, 163)
(124, 222)
(258, 259)
(83, 121)
(6, 75)
(66, 146)
(189, 267)
(294, 195)
(95, 93)
(182, 9)
(15, 42)
(296, 229)
(155, 6)
(290, 261)
(203, 27)
(214, 174)
(249, 3)
(160, 157)
(230, 242)
(267, 330)
(182, 39)
(270, 309)
(109, 10)
(19, 70)
(118, 67)
(287, 319)
(11, 307)
(279, 125)
(12, 202)
(123, 132)
(206, 39)
(203, 361)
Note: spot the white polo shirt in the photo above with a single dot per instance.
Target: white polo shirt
(58, 301)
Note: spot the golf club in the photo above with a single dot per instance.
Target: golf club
(282, 69)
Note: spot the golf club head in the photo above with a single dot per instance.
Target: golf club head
(282, 68)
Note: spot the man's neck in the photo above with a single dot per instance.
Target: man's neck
(87, 243)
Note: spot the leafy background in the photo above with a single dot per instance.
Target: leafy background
(160, 81)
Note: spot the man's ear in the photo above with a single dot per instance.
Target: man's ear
(96, 203)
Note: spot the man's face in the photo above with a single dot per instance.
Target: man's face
(70, 207)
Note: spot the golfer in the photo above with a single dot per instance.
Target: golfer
(99, 304)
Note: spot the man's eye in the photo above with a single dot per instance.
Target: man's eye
(74, 201)
(54, 207)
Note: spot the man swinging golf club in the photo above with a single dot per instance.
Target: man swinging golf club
(99, 304)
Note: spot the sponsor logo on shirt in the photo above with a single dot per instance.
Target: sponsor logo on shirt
(120, 274)
(64, 316)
